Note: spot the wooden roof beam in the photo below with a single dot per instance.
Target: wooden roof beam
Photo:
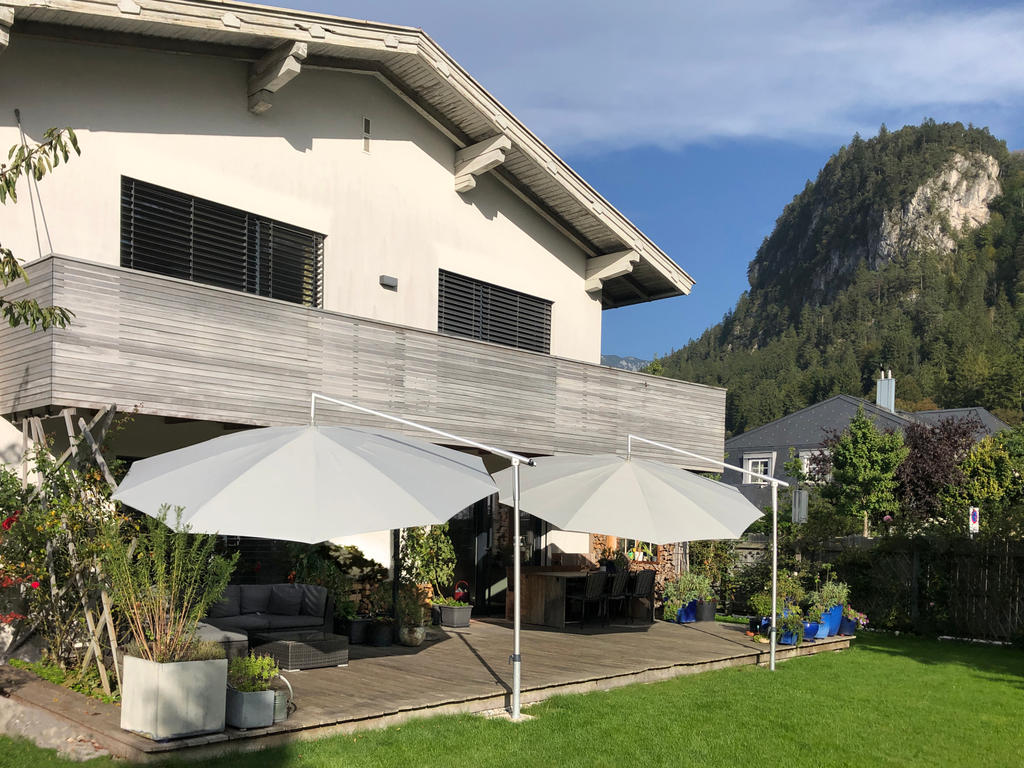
(479, 158)
(6, 22)
(274, 71)
(610, 265)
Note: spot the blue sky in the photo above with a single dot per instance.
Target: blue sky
(700, 121)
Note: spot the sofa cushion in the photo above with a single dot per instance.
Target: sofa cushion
(314, 599)
(211, 634)
(243, 623)
(255, 598)
(228, 605)
(292, 622)
(285, 600)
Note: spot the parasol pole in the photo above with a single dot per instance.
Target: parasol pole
(775, 572)
(517, 659)
(516, 460)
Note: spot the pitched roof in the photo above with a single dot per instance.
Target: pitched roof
(809, 426)
(417, 70)
(990, 424)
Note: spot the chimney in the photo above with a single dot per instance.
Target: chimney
(885, 393)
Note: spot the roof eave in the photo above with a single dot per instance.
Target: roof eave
(222, 26)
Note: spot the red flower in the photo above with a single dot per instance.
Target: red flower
(8, 523)
(34, 585)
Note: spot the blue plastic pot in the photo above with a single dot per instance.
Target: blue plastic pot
(835, 615)
(822, 632)
(810, 630)
(848, 627)
(688, 613)
(787, 638)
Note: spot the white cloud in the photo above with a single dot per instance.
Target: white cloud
(605, 75)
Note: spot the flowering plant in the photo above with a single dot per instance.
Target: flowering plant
(851, 615)
(49, 544)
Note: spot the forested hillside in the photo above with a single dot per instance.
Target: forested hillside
(906, 253)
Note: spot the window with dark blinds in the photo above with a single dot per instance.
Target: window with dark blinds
(468, 307)
(179, 235)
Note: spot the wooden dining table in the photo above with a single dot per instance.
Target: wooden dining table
(544, 591)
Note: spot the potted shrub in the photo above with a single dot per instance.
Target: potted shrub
(812, 621)
(791, 627)
(412, 615)
(851, 621)
(380, 632)
(452, 612)
(428, 561)
(832, 596)
(705, 596)
(163, 582)
(693, 594)
(250, 701)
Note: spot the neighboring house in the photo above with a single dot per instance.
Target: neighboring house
(271, 202)
(767, 448)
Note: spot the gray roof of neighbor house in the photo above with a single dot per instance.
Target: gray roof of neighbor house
(809, 426)
(625, 265)
(989, 424)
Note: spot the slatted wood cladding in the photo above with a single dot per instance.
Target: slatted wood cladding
(181, 349)
(179, 235)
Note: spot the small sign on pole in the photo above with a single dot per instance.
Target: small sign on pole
(974, 519)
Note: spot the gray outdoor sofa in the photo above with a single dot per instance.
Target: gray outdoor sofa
(251, 608)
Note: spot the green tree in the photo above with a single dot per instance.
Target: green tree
(37, 161)
(864, 463)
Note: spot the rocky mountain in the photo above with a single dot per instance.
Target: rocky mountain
(625, 363)
(906, 252)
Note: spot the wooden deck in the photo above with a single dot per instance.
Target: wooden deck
(463, 670)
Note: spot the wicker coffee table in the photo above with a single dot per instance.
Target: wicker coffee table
(294, 650)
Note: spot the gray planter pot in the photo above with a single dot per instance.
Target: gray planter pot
(455, 615)
(412, 636)
(249, 709)
(172, 700)
(706, 610)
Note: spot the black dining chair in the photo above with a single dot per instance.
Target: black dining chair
(643, 588)
(616, 593)
(593, 592)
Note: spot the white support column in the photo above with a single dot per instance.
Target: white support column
(479, 158)
(271, 73)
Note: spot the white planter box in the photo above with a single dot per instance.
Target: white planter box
(250, 709)
(168, 701)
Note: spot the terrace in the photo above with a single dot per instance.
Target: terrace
(456, 671)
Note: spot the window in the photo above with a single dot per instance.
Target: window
(640, 551)
(479, 310)
(366, 134)
(178, 235)
(805, 463)
(761, 463)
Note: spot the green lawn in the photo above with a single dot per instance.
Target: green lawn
(888, 701)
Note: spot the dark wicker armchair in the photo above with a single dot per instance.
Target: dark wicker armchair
(643, 589)
(593, 592)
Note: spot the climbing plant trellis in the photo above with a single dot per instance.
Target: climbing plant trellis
(95, 603)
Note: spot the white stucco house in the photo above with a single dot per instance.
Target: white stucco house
(272, 202)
